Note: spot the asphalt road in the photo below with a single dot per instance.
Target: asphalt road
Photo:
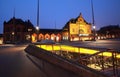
(15, 63)
(108, 44)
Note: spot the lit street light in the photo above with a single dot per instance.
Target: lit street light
(37, 31)
(93, 23)
(37, 27)
(94, 33)
(94, 27)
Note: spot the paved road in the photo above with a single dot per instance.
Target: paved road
(109, 44)
(15, 63)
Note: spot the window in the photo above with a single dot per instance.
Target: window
(29, 30)
(81, 31)
(73, 30)
(27, 37)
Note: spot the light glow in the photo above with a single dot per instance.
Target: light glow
(94, 27)
(75, 49)
(34, 38)
(37, 28)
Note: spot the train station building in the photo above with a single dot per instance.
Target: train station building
(17, 30)
(77, 29)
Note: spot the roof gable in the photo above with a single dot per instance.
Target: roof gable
(74, 20)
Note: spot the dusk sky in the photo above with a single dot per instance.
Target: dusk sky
(106, 12)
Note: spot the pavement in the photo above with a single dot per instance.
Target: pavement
(6, 45)
(100, 44)
(15, 63)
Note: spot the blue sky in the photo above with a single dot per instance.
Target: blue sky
(106, 12)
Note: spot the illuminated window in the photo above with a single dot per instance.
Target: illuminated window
(27, 37)
(81, 31)
(73, 30)
(52, 38)
(57, 38)
(29, 30)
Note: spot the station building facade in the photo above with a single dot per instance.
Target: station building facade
(17, 30)
(74, 30)
(77, 29)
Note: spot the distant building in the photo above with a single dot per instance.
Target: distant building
(77, 29)
(109, 32)
(17, 30)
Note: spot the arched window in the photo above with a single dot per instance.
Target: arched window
(58, 37)
(47, 36)
(34, 37)
(81, 31)
(41, 36)
(53, 36)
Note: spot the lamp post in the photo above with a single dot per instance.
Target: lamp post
(37, 27)
(37, 31)
(94, 33)
(93, 21)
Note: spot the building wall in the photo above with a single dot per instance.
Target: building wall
(46, 36)
(16, 30)
(79, 30)
(109, 32)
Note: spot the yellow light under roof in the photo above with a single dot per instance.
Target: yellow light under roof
(108, 54)
(88, 51)
(56, 47)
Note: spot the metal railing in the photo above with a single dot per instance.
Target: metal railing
(106, 61)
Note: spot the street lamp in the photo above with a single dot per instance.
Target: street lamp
(37, 31)
(94, 33)
(94, 27)
(93, 23)
(37, 27)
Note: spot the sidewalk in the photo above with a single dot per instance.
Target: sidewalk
(6, 45)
